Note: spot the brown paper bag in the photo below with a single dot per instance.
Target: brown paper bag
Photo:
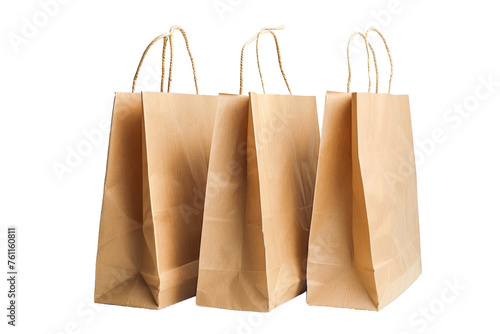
(153, 197)
(364, 247)
(259, 200)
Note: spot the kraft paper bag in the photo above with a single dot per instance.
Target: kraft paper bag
(258, 202)
(155, 183)
(364, 247)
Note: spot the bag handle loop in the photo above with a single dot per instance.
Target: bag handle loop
(388, 53)
(368, 49)
(166, 37)
(165, 40)
(172, 30)
(256, 37)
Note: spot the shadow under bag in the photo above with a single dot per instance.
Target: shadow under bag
(364, 247)
(152, 211)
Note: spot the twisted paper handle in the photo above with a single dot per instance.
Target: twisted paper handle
(368, 49)
(166, 37)
(165, 41)
(172, 30)
(388, 53)
(256, 37)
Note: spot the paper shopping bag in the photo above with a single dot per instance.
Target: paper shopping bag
(364, 247)
(258, 201)
(153, 198)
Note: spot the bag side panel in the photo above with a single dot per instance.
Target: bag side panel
(232, 262)
(121, 240)
(331, 278)
(387, 172)
(178, 136)
(287, 141)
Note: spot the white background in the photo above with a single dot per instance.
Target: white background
(60, 81)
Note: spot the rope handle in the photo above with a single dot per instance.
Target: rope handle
(165, 41)
(368, 49)
(166, 37)
(279, 58)
(172, 30)
(388, 53)
(256, 37)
